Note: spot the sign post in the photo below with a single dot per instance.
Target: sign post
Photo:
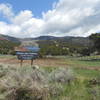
(21, 62)
(31, 62)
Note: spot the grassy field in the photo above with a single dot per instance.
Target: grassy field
(81, 89)
(84, 76)
(93, 61)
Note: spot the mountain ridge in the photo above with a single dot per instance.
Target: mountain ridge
(9, 38)
(66, 39)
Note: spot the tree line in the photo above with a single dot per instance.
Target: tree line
(7, 47)
(53, 47)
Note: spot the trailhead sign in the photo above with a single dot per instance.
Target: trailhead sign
(27, 53)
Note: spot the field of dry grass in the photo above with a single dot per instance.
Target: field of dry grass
(83, 63)
(57, 78)
(45, 62)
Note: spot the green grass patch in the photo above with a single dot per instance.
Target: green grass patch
(87, 73)
(81, 62)
(7, 56)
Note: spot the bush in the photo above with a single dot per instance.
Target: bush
(24, 84)
(62, 75)
(3, 70)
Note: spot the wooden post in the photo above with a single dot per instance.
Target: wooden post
(31, 62)
(21, 63)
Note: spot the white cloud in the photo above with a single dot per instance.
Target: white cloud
(22, 17)
(6, 10)
(68, 17)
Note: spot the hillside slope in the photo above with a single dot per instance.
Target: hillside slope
(9, 38)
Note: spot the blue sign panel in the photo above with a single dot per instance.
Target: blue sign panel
(32, 48)
(26, 55)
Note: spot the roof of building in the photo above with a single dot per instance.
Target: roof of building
(27, 48)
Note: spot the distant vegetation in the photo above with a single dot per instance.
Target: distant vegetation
(58, 48)
(71, 46)
(96, 42)
(7, 47)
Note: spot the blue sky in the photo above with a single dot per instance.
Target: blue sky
(36, 6)
(33, 18)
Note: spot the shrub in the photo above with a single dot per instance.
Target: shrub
(24, 84)
(3, 70)
(62, 75)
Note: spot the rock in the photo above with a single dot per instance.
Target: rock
(35, 67)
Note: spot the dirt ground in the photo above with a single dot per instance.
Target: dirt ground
(51, 62)
(44, 62)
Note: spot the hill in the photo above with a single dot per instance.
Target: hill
(50, 45)
(9, 38)
(67, 39)
(7, 44)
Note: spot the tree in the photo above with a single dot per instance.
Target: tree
(96, 40)
(85, 52)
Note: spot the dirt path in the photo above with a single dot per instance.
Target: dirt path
(51, 62)
(48, 62)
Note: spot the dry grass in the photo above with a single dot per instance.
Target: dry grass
(31, 83)
(49, 83)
